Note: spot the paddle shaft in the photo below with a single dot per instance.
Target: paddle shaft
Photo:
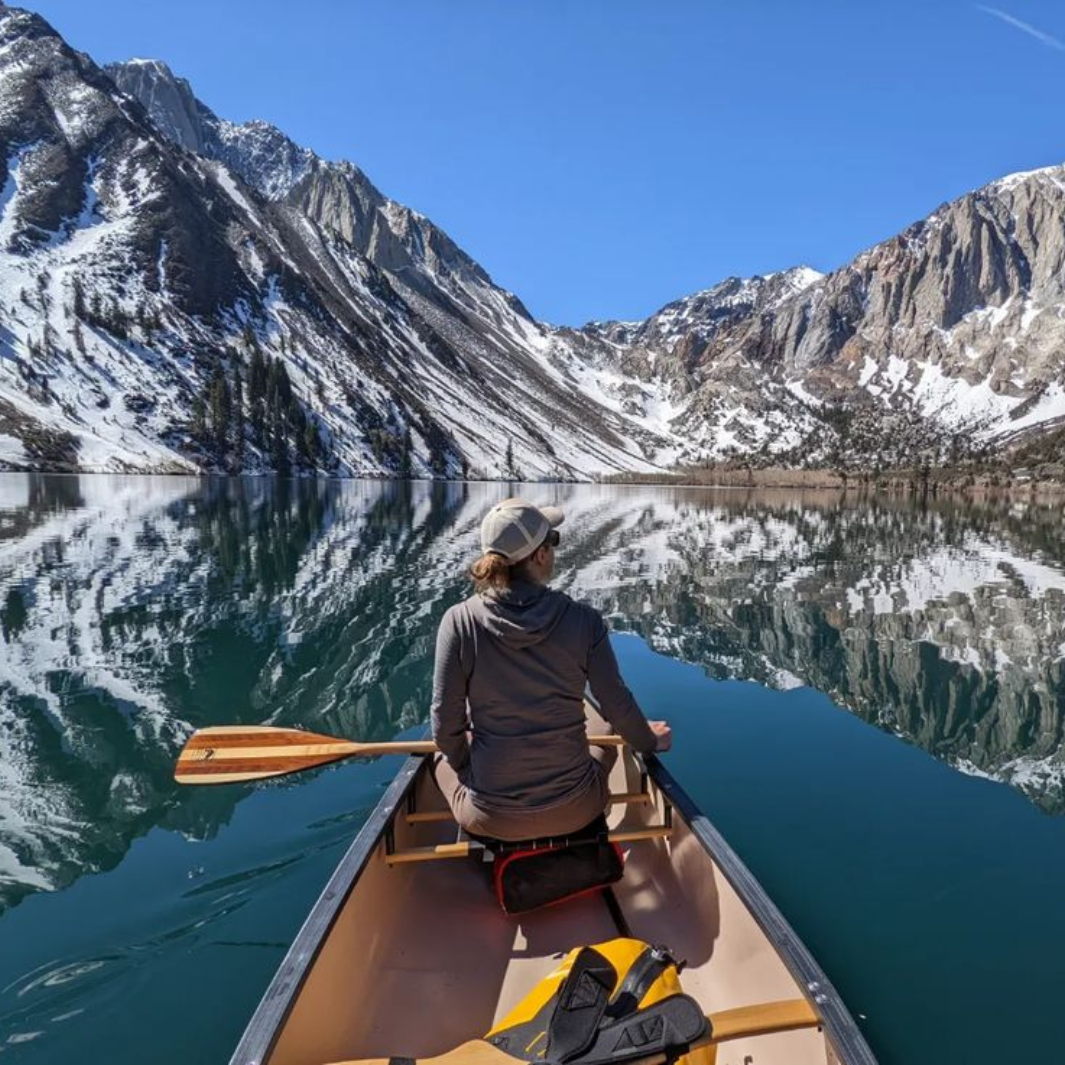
(231, 754)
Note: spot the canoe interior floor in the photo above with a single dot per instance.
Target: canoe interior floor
(422, 959)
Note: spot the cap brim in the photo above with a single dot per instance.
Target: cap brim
(554, 516)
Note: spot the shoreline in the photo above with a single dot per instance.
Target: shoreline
(985, 484)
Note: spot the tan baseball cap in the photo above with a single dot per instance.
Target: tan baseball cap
(515, 528)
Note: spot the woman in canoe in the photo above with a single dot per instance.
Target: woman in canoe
(512, 662)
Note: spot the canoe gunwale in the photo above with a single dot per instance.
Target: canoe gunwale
(266, 1024)
(847, 1040)
(264, 1029)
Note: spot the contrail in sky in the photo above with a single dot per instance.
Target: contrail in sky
(1044, 38)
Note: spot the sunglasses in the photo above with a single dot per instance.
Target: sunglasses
(551, 539)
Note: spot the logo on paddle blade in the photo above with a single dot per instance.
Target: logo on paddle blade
(206, 754)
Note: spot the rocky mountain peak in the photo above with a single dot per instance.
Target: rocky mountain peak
(399, 351)
(259, 153)
(337, 196)
(171, 309)
(168, 99)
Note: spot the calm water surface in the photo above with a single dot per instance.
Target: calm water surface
(868, 699)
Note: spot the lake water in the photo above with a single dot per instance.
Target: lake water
(868, 699)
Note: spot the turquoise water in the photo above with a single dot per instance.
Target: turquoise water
(845, 678)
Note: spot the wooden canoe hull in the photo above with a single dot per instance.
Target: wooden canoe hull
(413, 959)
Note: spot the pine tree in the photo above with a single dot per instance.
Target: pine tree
(219, 409)
(279, 412)
(312, 442)
(279, 375)
(257, 396)
(300, 424)
(50, 341)
(79, 338)
(438, 463)
(79, 299)
(117, 322)
(198, 421)
(279, 456)
(406, 462)
(238, 417)
(508, 463)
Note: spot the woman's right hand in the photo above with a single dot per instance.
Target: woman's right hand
(663, 735)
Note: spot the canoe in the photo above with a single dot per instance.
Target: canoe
(407, 954)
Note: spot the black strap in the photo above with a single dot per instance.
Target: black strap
(643, 972)
(581, 1003)
(668, 1027)
(617, 914)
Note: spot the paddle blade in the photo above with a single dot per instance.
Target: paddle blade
(230, 754)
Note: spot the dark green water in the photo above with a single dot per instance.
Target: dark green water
(845, 679)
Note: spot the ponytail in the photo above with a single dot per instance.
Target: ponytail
(491, 571)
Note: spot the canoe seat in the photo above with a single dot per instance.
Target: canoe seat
(473, 848)
(529, 874)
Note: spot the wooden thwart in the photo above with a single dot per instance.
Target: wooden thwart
(623, 798)
(466, 848)
(743, 1022)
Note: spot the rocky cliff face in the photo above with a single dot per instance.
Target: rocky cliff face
(944, 338)
(493, 337)
(259, 154)
(162, 312)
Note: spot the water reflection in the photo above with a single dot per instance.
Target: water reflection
(135, 609)
(945, 624)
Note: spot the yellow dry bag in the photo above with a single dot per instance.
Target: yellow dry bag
(606, 1003)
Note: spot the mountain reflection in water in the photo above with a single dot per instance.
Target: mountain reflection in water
(133, 610)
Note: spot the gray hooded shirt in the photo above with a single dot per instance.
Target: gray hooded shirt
(508, 695)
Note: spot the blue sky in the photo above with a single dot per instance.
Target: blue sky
(602, 157)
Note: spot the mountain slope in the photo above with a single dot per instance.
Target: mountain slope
(160, 313)
(749, 366)
(488, 327)
(947, 337)
(180, 292)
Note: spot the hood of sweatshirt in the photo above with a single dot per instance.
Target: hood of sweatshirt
(521, 615)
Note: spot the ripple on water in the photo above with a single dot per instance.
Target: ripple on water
(23, 1037)
(52, 975)
(63, 988)
(59, 990)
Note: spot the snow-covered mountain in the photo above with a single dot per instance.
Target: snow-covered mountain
(945, 338)
(160, 312)
(676, 369)
(179, 292)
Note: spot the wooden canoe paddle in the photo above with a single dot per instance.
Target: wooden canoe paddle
(765, 1018)
(232, 754)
